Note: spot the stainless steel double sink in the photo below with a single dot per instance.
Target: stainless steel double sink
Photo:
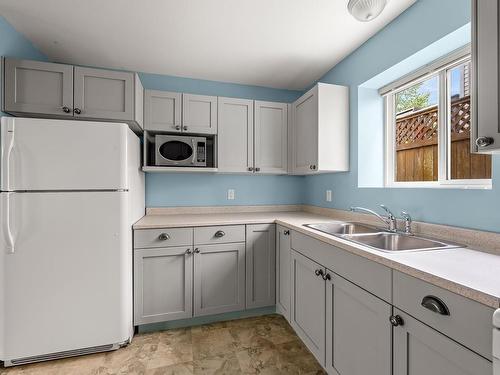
(380, 239)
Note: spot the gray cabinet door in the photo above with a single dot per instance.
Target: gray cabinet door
(219, 278)
(418, 349)
(308, 304)
(485, 94)
(162, 284)
(260, 265)
(162, 111)
(358, 332)
(199, 114)
(103, 94)
(283, 279)
(36, 87)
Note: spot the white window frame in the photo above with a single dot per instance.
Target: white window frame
(440, 68)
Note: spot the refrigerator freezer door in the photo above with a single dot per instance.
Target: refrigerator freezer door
(47, 155)
(68, 283)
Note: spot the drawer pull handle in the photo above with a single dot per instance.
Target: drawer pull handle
(163, 237)
(435, 305)
(219, 234)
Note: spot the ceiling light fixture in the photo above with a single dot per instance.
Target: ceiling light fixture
(366, 10)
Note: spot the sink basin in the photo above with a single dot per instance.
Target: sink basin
(395, 242)
(336, 229)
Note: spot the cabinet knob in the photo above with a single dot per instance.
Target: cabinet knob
(188, 251)
(286, 232)
(396, 320)
(219, 234)
(66, 109)
(185, 127)
(257, 169)
(327, 277)
(177, 127)
(318, 272)
(197, 251)
(484, 141)
(163, 237)
(77, 111)
(250, 169)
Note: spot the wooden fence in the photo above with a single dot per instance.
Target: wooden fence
(417, 145)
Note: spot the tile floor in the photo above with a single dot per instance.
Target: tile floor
(261, 345)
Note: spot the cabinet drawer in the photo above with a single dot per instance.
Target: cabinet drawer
(146, 238)
(219, 234)
(468, 322)
(371, 276)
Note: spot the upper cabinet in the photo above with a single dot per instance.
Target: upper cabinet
(485, 135)
(34, 88)
(199, 114)
(320, 130)
(252, 136)
(162, 110)
(37, 87)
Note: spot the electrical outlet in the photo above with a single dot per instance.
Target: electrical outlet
(230, 194)
(328, 195)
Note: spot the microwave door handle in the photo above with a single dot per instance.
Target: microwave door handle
(193, 142)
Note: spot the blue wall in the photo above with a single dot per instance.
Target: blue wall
(15, 44)
(467, 208)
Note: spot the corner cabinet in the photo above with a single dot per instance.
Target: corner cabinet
(36, 88)
(320, 130)
(485, 129)
(260, 265)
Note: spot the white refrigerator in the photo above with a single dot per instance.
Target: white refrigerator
(69, 194)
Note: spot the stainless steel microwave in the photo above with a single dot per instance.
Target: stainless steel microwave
(181, 151)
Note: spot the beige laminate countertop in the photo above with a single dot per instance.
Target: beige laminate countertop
(467, 272)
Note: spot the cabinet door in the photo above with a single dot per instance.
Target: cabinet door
(485, 93)
(308, 304)
(235, 135)
(199, 114)
(260, 265)
(219, 278)
(104, 94)
(271, 132)
(418, 349)
(358, 332)
(162, 111)
(162, 284)
(37, 87)
(283, 262)
(305, 122)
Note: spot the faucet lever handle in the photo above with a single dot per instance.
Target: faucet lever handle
(405, 215)
(384, 207)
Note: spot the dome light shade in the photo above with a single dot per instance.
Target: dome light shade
(366, 10)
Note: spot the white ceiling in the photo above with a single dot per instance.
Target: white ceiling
(276, 43)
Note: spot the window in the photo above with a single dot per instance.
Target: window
(428, 128)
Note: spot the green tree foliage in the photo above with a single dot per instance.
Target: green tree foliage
(411, 98)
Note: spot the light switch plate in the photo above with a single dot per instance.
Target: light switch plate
(328, 195)
(230, 194)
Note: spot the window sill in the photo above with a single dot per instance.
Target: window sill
(483, 185)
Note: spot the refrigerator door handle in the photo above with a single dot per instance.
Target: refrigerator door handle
(8, 229)
(9, 145)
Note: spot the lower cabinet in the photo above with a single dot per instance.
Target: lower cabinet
(358, 331)
(162, 284)
(419, 349)
(260, 265)
(283, 260)
(219, 278)
(308, 303)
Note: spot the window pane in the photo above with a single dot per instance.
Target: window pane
(416, 109)
(463, 164)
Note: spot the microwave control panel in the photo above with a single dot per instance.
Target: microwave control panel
(201, 152)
